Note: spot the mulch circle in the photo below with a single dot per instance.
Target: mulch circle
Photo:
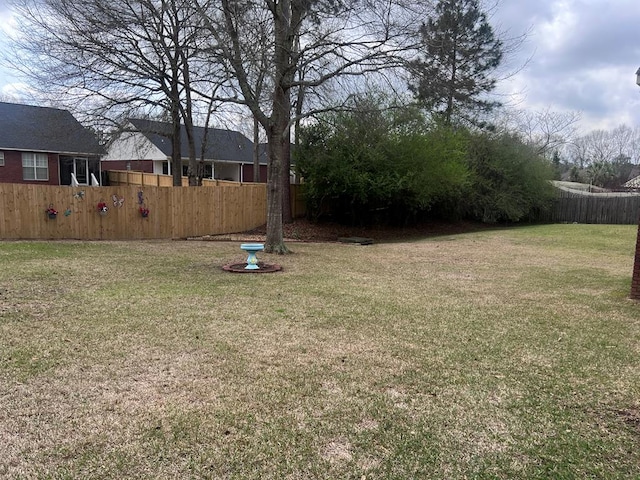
(262, 268)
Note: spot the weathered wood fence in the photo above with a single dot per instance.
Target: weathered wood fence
(176, 212)
(595, 208)
(128, 177)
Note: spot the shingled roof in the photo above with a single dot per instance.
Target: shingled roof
(44, 129)
(221, 144)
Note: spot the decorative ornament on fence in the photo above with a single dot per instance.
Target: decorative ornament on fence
(52, 213)
(117, 202)
(79, 195)
(67, 212)
(102, 208)
(143, 209)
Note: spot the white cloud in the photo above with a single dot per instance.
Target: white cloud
(585, 54)
(15, 91)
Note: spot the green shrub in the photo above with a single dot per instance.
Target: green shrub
(379, 166)
(509, 182)
(389, 166)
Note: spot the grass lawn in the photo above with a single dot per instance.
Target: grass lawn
(512, 353)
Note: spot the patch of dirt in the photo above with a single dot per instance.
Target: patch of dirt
(303, 230)
(631, 417)
(336, 451)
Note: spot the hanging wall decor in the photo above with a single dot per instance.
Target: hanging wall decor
(117, 202)
(102, 208)
(144, 211)
(52, 213)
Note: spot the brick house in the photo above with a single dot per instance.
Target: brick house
(45, 146)
(145, 145)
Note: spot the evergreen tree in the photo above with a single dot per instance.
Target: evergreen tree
(556, 162)
(461, 51)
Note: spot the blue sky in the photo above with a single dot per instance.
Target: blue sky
(579, 56)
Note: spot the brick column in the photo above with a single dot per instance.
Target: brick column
(635, 279)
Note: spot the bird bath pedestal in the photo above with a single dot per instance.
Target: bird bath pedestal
(251, 249)
(252, 265)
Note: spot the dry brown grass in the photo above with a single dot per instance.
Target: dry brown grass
(508, 354)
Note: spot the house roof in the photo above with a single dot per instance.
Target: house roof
(44, 129)
(633, 183)
(221, 144)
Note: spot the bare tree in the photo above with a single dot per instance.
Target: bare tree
(624, 140)
(594, 147)
(545, 130)
(113, 59)
(607, 157)
(327, 39)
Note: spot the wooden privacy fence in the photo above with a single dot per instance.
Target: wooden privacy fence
(176, 212)
(128, 177)
(595, 208)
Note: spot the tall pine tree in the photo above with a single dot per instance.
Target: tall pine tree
(461, 51)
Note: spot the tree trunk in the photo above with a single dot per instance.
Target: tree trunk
(635, 277)
(278, 127)
(286, 180)
(274, 242)
(256, 151)
(176, 144)
(195, 170)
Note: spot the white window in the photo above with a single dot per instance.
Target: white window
(35, 166)
(1, 159)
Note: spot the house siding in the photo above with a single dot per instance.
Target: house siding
(12, 170)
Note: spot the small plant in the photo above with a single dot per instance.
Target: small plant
(144, 211)
(52, 213)
(102, 208)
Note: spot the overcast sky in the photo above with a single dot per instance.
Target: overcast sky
(579, 55)
(583, 57)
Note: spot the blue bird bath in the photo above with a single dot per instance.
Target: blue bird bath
(251, 249)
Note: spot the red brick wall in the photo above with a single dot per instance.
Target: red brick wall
(12, 170)
(635, 278)
(247, 173)
(145, 166)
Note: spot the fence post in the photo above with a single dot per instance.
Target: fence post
(635, 278)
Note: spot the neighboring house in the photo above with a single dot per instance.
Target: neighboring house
(633, 183)
(634, 178)
(145, 145)
(44, 145)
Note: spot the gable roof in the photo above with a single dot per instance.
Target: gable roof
(221, 144)
(44, 129)
(633, 183)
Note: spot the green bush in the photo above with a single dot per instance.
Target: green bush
(388, 166)
(379, 166)
(509, 182)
